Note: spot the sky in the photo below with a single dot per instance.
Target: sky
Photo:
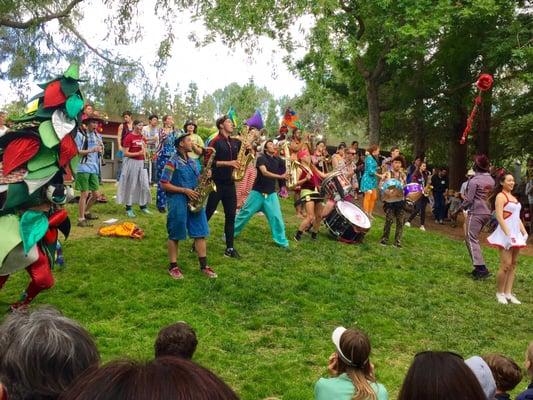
(211, 67)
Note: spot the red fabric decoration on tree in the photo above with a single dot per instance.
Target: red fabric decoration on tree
(67, 150)
(19, 151)
(53, 95)
(483, 84)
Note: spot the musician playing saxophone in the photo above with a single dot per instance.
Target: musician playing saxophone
(263, 196)
(179, 179)
(227, 148)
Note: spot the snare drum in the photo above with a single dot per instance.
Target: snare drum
(347, 222)
(413, 192)
(391, 191)
(335, 186)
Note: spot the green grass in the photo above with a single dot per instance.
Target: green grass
(264, 325)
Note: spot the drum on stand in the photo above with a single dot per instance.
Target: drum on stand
(335, 186)
(347, 222)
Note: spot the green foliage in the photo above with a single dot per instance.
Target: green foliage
(265, 324)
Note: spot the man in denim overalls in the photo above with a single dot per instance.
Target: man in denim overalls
(179, 179)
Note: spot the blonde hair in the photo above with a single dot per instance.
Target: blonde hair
(355, 344)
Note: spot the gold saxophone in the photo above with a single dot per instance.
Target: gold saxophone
(205, 185)
(243, 157)
(293, 168)
(429, 187)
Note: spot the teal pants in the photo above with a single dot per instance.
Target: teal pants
(269, 205)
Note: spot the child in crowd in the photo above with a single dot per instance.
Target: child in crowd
(506, 373)
(528, 393)
(176, 340)
(352, 371)
(454, 206)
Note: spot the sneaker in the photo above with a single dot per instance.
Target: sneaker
(501, 298)
(476, 274)
(207, 271)
(231, 252)
(383, 242)
(162, 210)
(297, 237)
(422, 228)
(261, 213)
(175, 273)
(90, 216)
(146, 211)
(84, 223)
(130, 214)
(441, 222)
(511, 297)
(408, 224)
(397, 245)
(313, 235)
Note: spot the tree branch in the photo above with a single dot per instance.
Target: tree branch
(68, 24)
(40, 19)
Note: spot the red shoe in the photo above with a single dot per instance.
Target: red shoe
(209, 272)
(175, 273)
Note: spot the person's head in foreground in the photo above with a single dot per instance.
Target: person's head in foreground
(505, 371)
(440, 375)
(41, 353)
(353, 373)
(164, 378)
(177, 340)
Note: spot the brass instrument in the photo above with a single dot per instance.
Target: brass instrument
(205, 185)
(428, 188)
(243, 157)
(293, 168)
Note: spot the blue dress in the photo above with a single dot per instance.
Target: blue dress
(166, 150)
(369, 181)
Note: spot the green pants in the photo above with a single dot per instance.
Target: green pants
(269, 205)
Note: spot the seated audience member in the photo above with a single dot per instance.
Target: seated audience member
(41, 353)
(528, 393)
(440, 375)
(454, 206)
(506, 374)
(176, 340)
(161, 379)
(352, 372)
(483, 374)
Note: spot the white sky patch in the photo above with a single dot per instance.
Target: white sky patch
(211, 67)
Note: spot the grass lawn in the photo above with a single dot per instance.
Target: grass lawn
(264, 325)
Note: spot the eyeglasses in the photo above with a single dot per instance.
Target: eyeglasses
(353, 153)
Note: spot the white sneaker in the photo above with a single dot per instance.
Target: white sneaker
(501, 298)
(422, 228)
(511, 297)
(408, 224)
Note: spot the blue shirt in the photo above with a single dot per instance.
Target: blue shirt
(342, 388)
(182, 173)
(90, 162)
(369, 180)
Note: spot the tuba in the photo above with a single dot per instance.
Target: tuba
(205, 185)
(293, 167)
(243, 157)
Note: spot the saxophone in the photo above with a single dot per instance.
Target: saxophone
(293, 167)
(205, 185)
(429, 187)
(243, 157)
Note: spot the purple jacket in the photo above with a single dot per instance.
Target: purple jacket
(477, 192)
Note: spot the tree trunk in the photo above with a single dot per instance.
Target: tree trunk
(372, 98)
(457, 153)
(484, 123)
(419, 134)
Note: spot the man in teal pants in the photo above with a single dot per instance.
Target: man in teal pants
(263, 196)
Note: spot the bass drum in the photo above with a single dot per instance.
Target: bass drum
(347, 222)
